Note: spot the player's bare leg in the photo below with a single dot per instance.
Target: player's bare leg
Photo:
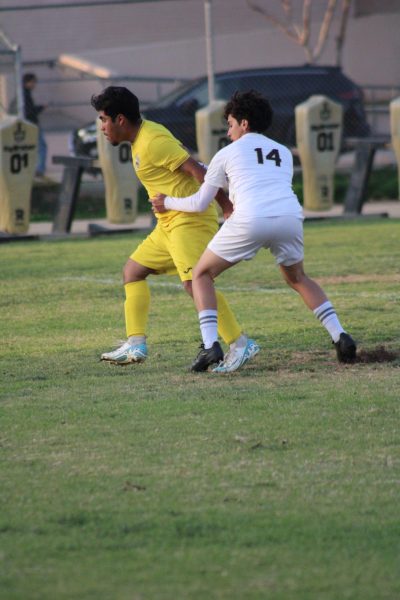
(316, 299)
(312, 294)
(207, 269)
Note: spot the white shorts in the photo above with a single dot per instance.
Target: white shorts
(241, 240)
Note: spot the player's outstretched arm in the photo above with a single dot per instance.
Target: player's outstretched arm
(198, 171)
(195, 203)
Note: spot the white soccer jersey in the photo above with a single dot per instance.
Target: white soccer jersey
(259, 173)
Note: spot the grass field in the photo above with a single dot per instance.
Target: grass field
(280, 481)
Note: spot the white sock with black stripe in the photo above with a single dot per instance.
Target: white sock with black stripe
(328, 317)
(208, 327)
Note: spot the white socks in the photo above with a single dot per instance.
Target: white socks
(328, 317)
(208, 327)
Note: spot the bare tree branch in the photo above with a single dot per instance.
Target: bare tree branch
(305, 37)
(324, 30)
(274, 20)
(301, 33)
(287, 8)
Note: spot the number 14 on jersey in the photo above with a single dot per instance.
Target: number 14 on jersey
(273, 155)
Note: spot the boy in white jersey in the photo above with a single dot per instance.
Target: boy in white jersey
(266, 214)
(178, 240)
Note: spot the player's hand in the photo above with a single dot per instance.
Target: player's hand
(158, 203)
(225, 204)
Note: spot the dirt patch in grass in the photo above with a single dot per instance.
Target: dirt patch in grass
(377, 355)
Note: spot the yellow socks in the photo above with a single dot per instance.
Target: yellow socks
(137, 305)
(228, 327)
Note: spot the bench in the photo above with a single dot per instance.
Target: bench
(74, 167)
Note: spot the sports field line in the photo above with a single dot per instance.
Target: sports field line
(176, 286)
(230, 288)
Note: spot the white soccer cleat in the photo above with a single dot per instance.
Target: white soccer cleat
(126, 354)
(237, 357)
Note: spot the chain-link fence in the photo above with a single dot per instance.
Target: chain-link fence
(365, 110)
(377, 99)
(285, 87)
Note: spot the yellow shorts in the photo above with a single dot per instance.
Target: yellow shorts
(177, 248)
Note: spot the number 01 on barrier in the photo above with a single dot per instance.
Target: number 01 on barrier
(18, 158)
(318, 134)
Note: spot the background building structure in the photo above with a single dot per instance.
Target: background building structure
(164, 40)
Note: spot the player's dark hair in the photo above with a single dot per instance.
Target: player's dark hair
(28, 77)
(115, 101)
(251, 106)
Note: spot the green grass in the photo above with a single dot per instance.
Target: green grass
(280, 481)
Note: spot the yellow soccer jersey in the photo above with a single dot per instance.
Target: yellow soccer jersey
(157, 156)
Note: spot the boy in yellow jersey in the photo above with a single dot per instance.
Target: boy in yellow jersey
(178, 240)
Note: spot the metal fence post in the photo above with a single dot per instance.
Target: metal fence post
(18, 83)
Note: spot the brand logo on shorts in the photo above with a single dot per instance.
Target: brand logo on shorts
(187, 270)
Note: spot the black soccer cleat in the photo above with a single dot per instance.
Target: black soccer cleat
(345, 348)
(205, 358)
